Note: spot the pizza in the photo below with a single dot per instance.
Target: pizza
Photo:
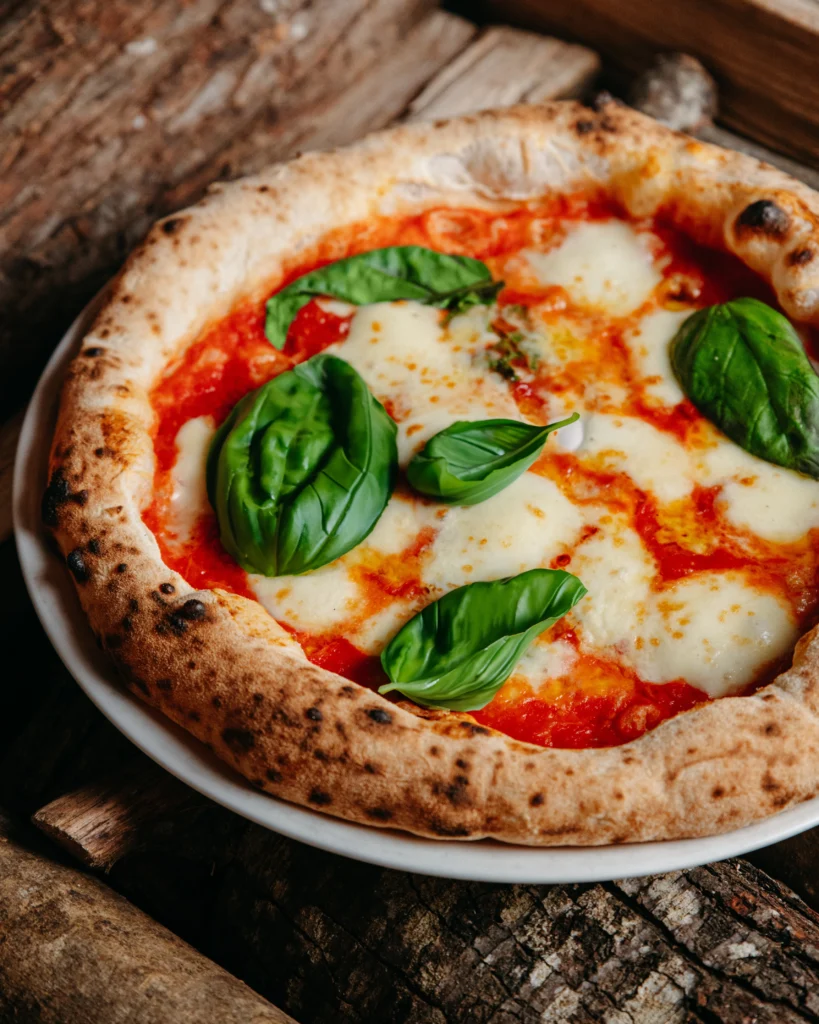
(464, 481)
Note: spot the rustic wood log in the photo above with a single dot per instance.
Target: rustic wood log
(118, 111)
(74, 952)
(762, 52)
(102, 822)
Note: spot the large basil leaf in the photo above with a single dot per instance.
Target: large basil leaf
(470, 461)
(384, 275)
(458, 651)
(302, 469)
(743, 366)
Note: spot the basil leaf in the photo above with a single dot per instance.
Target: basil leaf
(469, 462)
(743, 366)
(384, 275)
(458, 651)
(302, 469)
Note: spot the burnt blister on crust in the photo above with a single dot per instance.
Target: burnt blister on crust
(58, 493)
(800, 257)
(764, 217)
(75, 560)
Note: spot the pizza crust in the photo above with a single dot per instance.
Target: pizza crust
(219, 666)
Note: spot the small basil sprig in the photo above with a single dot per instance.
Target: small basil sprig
(302, 469)
(743, 366)
(471, 461)
(458, 652)
(384, 275)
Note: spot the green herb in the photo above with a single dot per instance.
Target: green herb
(302, 469)
(743, 366)
(454, 283)
(511, 352)
(458, 652)
(468, 462)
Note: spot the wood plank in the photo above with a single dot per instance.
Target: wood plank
(763, 53)
(506, 66)
(74, 952)
(114, 112)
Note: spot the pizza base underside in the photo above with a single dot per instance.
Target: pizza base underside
(220, 665)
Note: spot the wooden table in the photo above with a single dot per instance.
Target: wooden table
(111, 114)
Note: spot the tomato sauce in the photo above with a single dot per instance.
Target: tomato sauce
(600, 703)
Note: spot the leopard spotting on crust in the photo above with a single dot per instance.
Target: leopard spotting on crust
(222, 668)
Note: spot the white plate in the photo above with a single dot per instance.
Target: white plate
(53, 595)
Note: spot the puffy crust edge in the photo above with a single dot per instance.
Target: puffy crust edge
(223, 669)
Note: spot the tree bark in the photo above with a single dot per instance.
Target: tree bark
(74, 952)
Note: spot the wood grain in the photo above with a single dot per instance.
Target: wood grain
(71, 950)
(115, 112)
(762, 52)
(506, 66)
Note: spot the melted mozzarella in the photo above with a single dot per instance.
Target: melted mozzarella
(617, 572)
(770, 501)
(428, 376)
(605, 265)
(649, 347)
(545, 661)
(189, 496)
(522, 527)
(653, 459)
(713, 630)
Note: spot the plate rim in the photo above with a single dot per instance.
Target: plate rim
(485, 860)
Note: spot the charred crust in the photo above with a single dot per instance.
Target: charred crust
(800, 257)
(167, 588)
(164, 684)
(319, 798)
(718, 792)
(475, 730)
(584, 126)
(141, 685)
(75, 560)
(455, 792)
(216, 702)
(448, 831)
(113, 641)
(239, 740)
(273, 775)
(127, 623)
(314, 715)
(769, 783)
(94, 547)
(133, 605)
(770, 729)
(434, 751)
(380, 716)
(93, 352)
(536, 800)
(172, 225)
(192, 610)
(56, 494)
(370, 768)
(765, 217)
(350, 691)
(463, 765)
(378, 813)
(320, 755)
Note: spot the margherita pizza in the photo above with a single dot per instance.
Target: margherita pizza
(464, 481)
